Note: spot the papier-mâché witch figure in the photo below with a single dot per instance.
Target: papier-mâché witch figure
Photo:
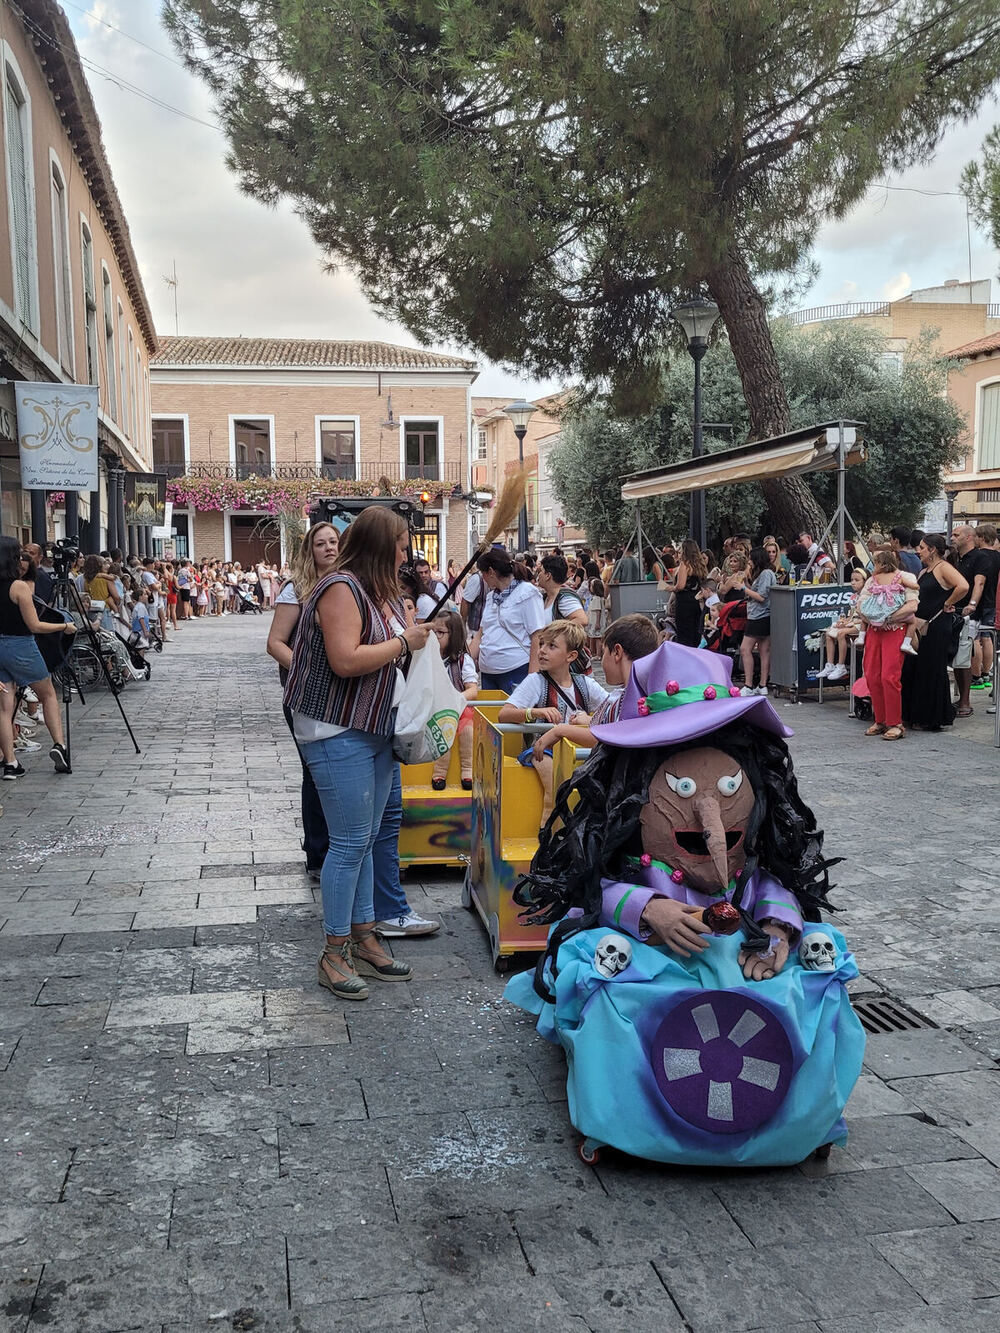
(703, 1012)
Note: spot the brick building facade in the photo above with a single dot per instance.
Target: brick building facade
(355, 414)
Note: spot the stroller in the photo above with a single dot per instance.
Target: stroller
(727, 635)
(247, 603)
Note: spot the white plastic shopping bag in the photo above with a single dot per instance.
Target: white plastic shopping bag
(428, 713)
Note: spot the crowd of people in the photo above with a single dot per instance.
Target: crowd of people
(132, 604)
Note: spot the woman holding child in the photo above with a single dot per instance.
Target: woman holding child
(926, 692)
(886, 607)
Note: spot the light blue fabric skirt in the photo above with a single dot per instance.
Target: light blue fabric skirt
(683, 1060)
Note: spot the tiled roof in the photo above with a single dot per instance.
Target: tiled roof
(301, 352)
(981, 347)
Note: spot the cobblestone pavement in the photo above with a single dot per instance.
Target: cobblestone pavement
(194, 1136)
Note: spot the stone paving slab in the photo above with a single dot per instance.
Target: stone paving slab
(194, 1136)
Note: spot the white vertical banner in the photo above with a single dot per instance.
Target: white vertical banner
(57, 434)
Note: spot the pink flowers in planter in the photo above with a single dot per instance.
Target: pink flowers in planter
(273, 495)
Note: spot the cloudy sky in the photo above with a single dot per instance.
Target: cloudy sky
(246, 269)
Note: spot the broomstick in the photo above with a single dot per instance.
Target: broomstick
(504, 514)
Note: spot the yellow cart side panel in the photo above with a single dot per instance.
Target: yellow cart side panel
(437, 825)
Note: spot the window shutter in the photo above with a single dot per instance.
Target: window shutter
(989, 427)
(21, 223)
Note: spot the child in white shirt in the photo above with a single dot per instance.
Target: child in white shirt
(553, 694)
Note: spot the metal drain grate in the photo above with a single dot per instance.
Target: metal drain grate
(880, 1013)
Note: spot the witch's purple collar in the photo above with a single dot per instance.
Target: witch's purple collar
(661, 878)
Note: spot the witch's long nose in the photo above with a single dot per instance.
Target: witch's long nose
(709, 816)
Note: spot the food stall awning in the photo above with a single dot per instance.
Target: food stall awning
(810, 449)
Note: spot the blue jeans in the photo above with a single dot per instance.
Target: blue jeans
(390, 896)
(504, 680)
(353, 775)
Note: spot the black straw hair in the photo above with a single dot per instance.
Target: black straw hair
(599, 809)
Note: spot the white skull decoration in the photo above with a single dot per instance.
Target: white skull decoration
(817, 952)
(612, 955)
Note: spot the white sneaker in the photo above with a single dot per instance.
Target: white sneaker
(411, 924)
(860, 640)
(838, 672)
(907, 647)
(25, 746)
(761, 691)
(822, 675)
(747, 692)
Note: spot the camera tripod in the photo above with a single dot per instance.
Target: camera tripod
(67, 600)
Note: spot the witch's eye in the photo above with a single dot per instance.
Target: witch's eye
(682, 786)
(730, 786)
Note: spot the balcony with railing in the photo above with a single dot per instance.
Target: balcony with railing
(448, 474)
(819, 314)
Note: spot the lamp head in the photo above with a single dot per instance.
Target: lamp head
(696, 318)
(520, 414)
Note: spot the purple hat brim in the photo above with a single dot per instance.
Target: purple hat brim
(690, 721)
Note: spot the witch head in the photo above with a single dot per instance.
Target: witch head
(693, 775)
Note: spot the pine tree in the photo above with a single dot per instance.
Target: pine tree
(544, 179)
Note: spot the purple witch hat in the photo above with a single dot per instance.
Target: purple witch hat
(678, 694)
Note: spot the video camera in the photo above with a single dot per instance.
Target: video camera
(65, 552)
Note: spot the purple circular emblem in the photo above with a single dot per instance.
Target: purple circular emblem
(722, 1061)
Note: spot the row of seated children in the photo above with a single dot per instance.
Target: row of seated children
(553, 694)
(571, 702)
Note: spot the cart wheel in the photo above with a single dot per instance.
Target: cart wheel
(147, 670)
(589, 1152)
(503, 963)
(823, 1152)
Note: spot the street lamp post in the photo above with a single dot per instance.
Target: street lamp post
(696, 318)
(520, 414)
(951, 496)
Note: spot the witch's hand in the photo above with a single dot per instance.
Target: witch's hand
(677, 924)
(761, 966)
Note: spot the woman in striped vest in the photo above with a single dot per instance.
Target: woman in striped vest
(341, 690)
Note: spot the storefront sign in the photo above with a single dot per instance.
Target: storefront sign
(145, 498)
(57, 434)
(817, 608)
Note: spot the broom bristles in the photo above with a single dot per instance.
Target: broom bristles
(505, 515)
(507, 507)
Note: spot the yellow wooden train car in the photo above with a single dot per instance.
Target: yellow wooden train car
(506, 810)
